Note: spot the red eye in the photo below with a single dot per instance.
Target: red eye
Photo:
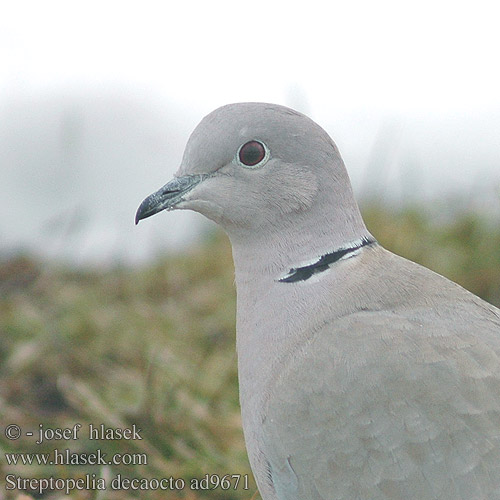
(252, 153)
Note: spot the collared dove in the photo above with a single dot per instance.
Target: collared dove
(362, 375)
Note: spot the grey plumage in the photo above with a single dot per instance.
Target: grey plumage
(373, 378)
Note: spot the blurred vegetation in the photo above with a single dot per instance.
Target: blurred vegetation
(450, 236)
(154, 346)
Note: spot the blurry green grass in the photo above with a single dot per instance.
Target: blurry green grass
(155, 347)
(447, 236)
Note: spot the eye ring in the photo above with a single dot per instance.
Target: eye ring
(252, 154)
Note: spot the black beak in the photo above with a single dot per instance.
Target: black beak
(168, 196)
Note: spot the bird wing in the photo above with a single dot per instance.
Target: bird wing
(390, 404)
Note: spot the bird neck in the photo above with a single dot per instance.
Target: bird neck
(323, 263)
(274, 253)
(272, 312)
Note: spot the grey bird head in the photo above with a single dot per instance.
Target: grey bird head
(264, 171)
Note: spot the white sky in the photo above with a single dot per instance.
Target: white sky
(381, 54)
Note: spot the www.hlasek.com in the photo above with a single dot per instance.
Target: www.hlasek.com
(91, 481)
(67, 457)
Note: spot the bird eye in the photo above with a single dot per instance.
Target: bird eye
(252, 153)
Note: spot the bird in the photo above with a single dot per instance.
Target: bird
(362, 375)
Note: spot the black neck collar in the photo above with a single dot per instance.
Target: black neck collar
(323, 263)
